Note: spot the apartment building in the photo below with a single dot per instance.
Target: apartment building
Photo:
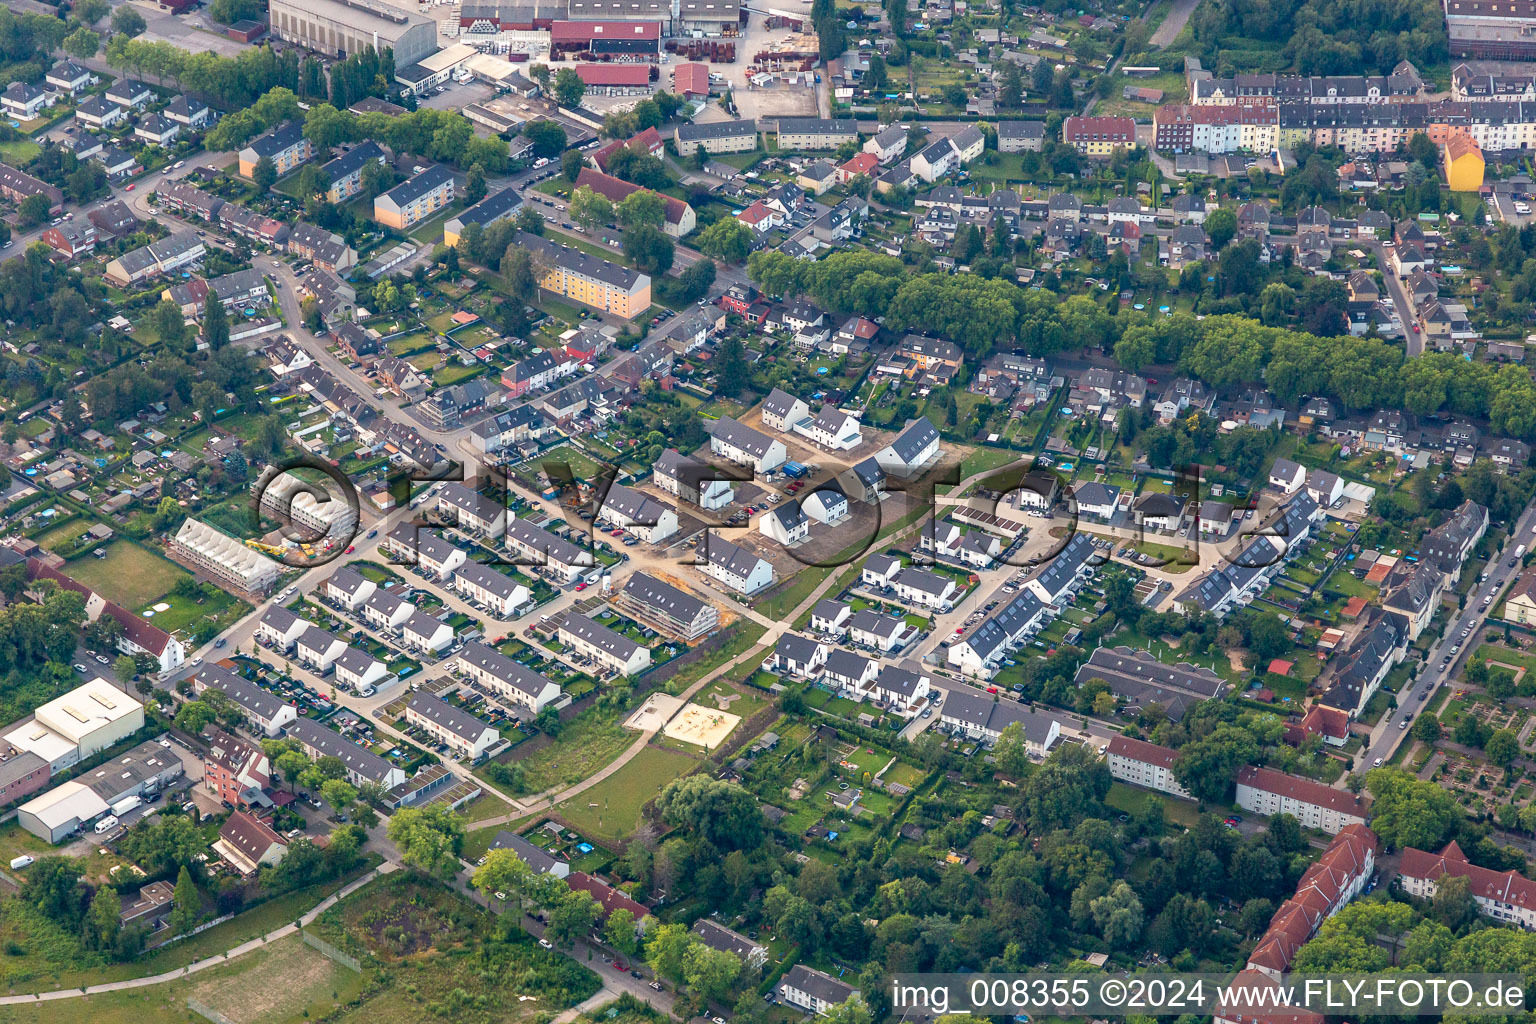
(261, 709)
(1268, 792)
(815, 133)
(284, 145)
(1144, 764)
(411, 202)
(591, 281)
(360, 764)
(734, 440)
(666, 608)
(1099, 137)
(717, 137)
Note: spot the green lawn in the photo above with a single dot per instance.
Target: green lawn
(18, 151)
(586, 744)
(130, 575)
(610, 810)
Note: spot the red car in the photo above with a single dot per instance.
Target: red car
(581, 586)
(351, 548)
(991, 689)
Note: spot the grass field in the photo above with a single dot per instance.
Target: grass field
(585, 745)
(582, 465)
(611, 809)
(286, 982)
(130, 575)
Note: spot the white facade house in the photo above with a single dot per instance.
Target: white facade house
(833, 429)
(360, 671)
(1144, 764)
(923, 589)
(491, 589)
(650, 520)
(387, 611)
(814, 991)
(736, 567)
(472, 511)
(1268, 792)
(787, 523)
(349, 588)
(797, 655)
(318, 650)
(513, 682)
(734, 440)
(826, 504)
(426, 632)
(688, 479)
(915, 447)
(466, 735)
(614, 651)
(279, 628)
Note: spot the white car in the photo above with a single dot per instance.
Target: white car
(546, 944)
(1376, 763)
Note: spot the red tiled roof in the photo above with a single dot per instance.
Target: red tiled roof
(691, 78)
(860, 163)
(649, 140)
(1354, 606)
(584, 31)
(754, 214)
(615, 74)
(605, 894)
(135, 629)
(1501, 886)
(1141, 750)
(1326, 721)
(616, 189)
(1270, 781)
(1281, 667)
(1320, 892)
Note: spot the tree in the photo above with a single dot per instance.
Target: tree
(339, 793)
(665, 949)
(571, 163)
(82, 43)
(710, 972)
(169, 326)
(530, 220)
(727, 240)
(1011, 751)
(719, 812)
(507, 876)
(569, 88)
(649, 250)
(1409, 811)
(589, 209)
(546, 137)
(1207, 766)
(127, 21)
(642, 208)
(1502, 748)
(91, 11)
(429, 838)
(34, 210)
(124, 667)
(1426, 728)
(730, 367)
(264, 174)
(1452, 904)
(1220, 225)
(875, 74)
(194, 716)
(1010, 86)
(53, 886)
(215, 324)
(853, 1011)
(520, 273)
(1118, 915)
(102, 920)
(619, 931)
(189, 906)
(474, 185)
(574, 914)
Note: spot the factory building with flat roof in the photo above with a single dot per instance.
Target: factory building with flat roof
(340, 28)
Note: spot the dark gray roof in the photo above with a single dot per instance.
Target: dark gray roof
(779, 402)
(541, 860)
(982, 712)
(715, 130)
(251, 698)
(736, 560)
(280, 139)
(663, 596)
(600, 636)
(330, 744)
(738, 435)
(579, 262)
(557, 549)
(847, 664)
(796, 648)
(719, 937)
(1005, 625)
(498, 583)
(456, 720)
(790, 515)
(492, 208)
(918, 435)
(408, 191)
(817, 126)
(822, 986)
(517, 676)
(354, 659)
(347, 580)
(353, 160)
(868, 620)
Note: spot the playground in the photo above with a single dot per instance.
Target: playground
(701, 726)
